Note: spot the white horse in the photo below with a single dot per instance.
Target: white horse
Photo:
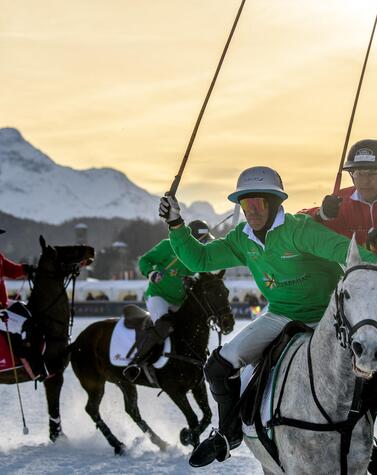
(338, 360)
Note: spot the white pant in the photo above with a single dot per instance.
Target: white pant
(248, 345)
(157, 306)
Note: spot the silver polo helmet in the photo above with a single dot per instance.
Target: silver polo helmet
(258, 180)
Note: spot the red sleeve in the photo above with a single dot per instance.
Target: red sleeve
(11, 269)
(313, 212)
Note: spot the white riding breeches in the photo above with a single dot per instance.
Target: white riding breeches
(248, 345)
(157, 306)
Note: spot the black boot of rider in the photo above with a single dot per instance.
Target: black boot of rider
(154, 336)
(35, 360)
(225, 384)
(372, 467)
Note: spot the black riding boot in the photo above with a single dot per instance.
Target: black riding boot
(35, 360)
(224, 382)
(153, 336)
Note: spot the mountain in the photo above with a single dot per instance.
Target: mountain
(33, 186)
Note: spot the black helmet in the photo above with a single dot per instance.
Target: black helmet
(200, 231)
(362, 154)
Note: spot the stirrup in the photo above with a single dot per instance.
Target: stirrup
(215, 432)
(132, 366)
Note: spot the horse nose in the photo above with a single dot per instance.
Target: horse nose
(359, 349)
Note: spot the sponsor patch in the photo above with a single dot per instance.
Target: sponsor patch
(365, 155)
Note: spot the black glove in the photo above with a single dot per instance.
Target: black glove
(169, 210)
(330, 207)
(372, 238)
(29, 270)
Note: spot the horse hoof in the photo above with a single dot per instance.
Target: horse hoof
(188, 437)
(55, 436)
(120, 449)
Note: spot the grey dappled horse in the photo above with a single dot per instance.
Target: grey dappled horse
(335, 370)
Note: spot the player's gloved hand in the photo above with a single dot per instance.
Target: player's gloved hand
(29, 270)
(169, 210)
(155, 276)
(330, 207)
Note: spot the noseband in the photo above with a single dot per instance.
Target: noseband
(343, 328)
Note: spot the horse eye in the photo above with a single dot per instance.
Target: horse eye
(347, 295)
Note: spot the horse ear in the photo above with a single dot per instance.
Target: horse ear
(353, 255)
(42, 242)
(221, 273)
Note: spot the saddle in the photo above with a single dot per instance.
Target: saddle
(136, 318)
(252, 397)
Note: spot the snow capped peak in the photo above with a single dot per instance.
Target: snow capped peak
(33, 186)
(9, 135)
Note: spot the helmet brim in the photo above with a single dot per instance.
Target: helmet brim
(235, 197)
(354, 166)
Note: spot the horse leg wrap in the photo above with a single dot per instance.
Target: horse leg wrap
(224, 382)
(110, 437)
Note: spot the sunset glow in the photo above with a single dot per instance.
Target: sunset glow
(120, 83)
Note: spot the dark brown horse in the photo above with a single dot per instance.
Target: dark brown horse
(51, 316)
(207, 303)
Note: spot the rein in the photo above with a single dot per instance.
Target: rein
(344, 331)
(212, 320)
(71, 277)
(212, 324)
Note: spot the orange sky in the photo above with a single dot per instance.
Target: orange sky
(120, 84)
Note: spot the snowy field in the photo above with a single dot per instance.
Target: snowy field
(86, 451)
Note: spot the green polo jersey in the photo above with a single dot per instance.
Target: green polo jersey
(296, 271)
(160, 258)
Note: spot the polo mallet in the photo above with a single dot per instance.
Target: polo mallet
(177, 179)
(25, 429)
(345, 146)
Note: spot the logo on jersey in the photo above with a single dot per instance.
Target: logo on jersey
(271, 282)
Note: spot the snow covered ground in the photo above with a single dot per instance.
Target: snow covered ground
(86, 451)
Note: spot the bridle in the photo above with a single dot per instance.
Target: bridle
(343, 328)
(214, 316)
(69, 273)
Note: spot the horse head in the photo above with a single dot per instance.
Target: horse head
(356, 317)
(64, 260)
(213, 294)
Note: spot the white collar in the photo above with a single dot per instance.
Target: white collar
(279, 220)
(357, 197)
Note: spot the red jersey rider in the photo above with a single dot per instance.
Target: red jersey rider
(354, 210)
